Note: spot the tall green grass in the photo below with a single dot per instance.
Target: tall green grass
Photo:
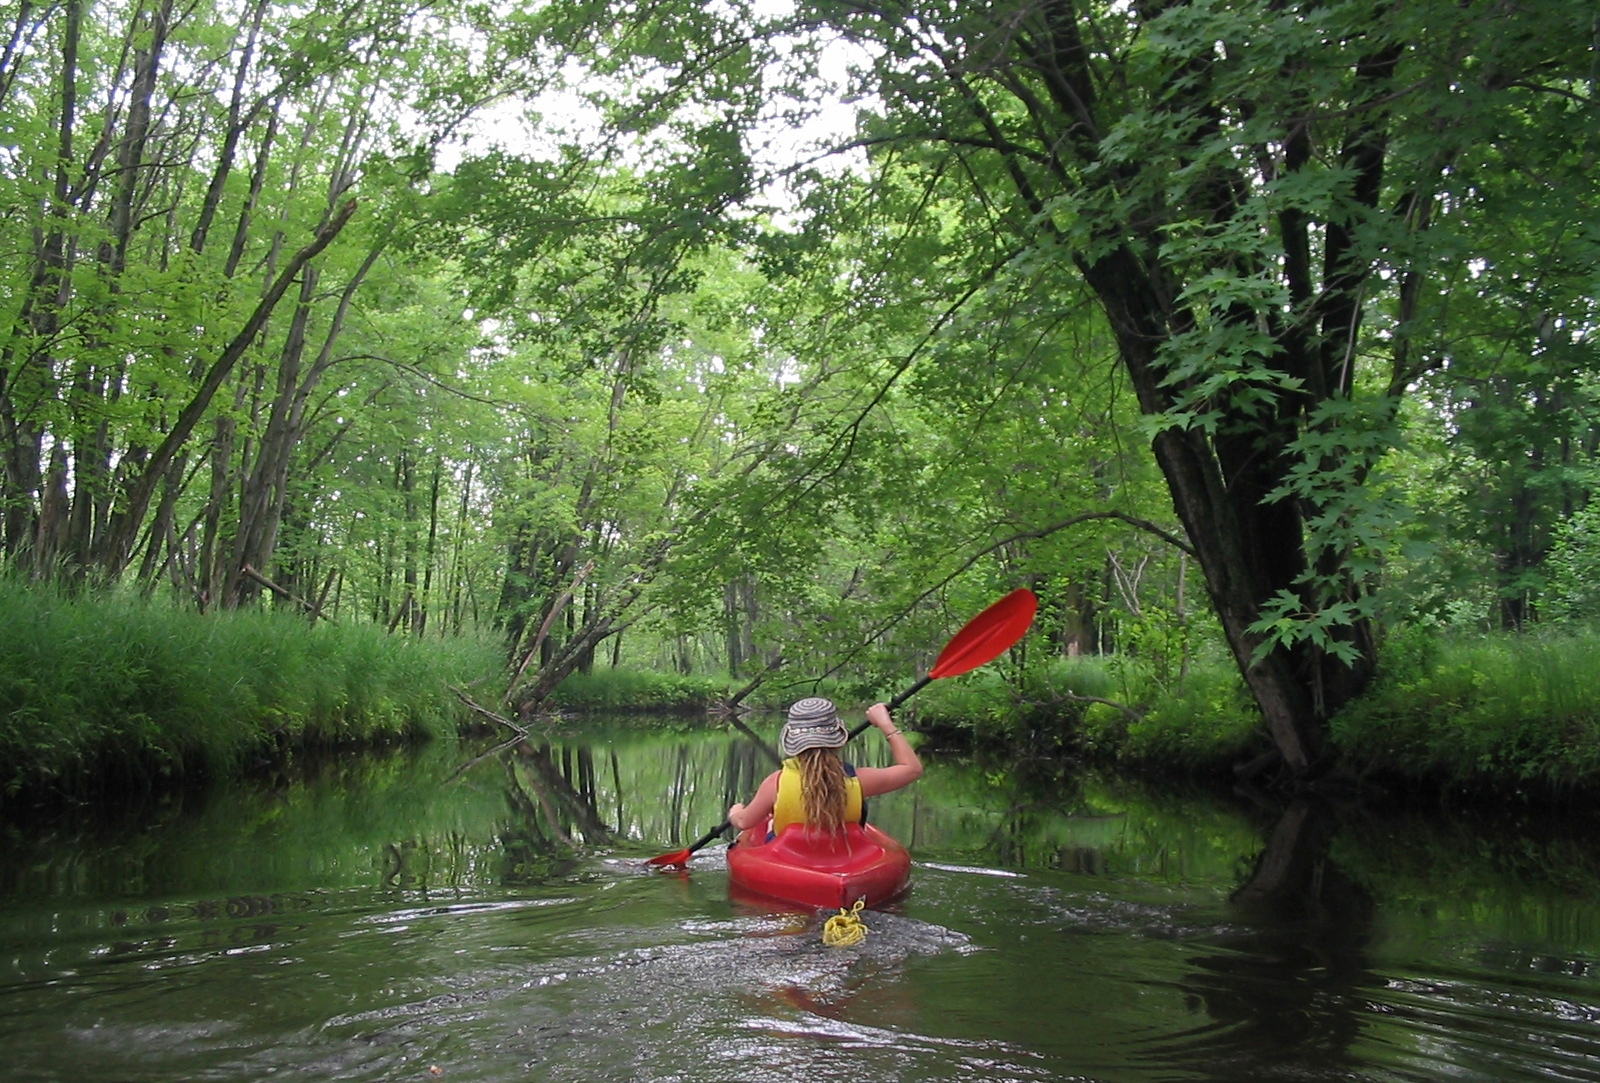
(95, 686)
(1200, 723)
(1502, 712)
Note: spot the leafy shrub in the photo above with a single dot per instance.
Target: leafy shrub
(1573, 567)
(1112, 709)
(1206, 722)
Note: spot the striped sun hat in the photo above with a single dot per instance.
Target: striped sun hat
(813, 723)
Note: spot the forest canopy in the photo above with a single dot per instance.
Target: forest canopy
(758, 335)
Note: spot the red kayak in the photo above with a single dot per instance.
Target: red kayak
(814, 869)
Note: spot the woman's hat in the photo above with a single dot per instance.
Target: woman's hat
(813, 723)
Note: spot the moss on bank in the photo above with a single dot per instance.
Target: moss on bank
(99, 690)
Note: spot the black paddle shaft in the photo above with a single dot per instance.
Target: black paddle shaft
(894, 703)
(707, 837)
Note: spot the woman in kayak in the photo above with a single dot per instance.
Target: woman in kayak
(814, 785)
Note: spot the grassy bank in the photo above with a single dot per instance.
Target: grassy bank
(104, 691)
(1501, 716)
(1120, 711)
(1508, 715)
(630, 690)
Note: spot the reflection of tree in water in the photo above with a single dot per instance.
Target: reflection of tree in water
(553, 811)
(1285, 987)
(743, 768)
(1043, 792)
(423, 863)
(555, 793)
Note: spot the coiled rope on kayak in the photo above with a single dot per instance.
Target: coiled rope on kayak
(845, 928)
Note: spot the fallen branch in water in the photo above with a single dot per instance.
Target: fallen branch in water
(729, 705)
(511, 742)
(478, 708)
(755, 739)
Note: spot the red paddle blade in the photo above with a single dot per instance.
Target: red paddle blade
(987, 635)
(677, 859)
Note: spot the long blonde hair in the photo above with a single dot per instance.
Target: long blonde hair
(822, 788)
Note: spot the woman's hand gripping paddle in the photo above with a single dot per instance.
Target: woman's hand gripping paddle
(983, 638)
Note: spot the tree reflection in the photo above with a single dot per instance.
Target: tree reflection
(555, 793)
(1284, 987)
(553, 811)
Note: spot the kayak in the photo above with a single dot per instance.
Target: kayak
(814, 869)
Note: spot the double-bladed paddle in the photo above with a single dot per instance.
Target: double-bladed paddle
(982, 639)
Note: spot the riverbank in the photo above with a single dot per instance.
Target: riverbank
(100, 694)
(1497, 717)
(1493, 717)
(104, 693)
(1500, 716)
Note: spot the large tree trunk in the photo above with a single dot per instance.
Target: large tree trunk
(1233, 380)
(1247, 549)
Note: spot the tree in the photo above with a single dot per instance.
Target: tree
(1266, 200)
(179, 172)
(1515, 390)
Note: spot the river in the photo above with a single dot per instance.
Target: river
(443, 914)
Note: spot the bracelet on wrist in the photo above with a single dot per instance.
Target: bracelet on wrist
(891, 733)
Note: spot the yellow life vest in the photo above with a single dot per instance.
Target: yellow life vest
(790, 808)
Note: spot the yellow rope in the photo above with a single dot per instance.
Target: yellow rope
(845, 928)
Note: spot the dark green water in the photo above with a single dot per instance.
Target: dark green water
(388, 918)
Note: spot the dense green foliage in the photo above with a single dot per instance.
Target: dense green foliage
(1105, 711)
(757, 346)
(120, 689)
(1480, 713)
